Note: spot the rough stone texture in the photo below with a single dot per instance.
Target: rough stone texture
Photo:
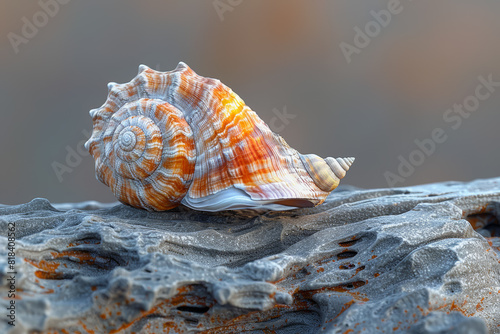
(384, 260)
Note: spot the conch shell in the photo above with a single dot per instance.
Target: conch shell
(170, 138)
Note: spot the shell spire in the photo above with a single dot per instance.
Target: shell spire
(340, 166)
(326, 173)
(170, 138)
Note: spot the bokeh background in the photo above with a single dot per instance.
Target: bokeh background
(276, 55)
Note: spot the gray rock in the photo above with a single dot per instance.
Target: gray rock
(385, 260)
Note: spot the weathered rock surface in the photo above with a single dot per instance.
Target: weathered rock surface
(423, 259)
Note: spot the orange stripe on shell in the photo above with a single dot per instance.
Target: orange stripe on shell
(198, 138)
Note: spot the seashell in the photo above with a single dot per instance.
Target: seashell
(170, 138)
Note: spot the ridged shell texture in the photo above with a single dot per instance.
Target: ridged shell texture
(170, 138)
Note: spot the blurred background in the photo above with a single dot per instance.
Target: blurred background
(336, 78)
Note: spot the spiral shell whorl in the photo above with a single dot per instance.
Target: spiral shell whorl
(146, 153)
(339, 166)
(326, 173)
(134, 146)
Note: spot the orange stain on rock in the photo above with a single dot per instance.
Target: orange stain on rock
(47, 269)
(358, 270)
(349, 243)
(182, 297)
(89, 331)
(83, 257)
(344, 308)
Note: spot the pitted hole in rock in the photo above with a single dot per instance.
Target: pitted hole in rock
(346, 254)
(346, 266)
(193, 309)
(348, 243)
(486, 220)
(494, 230)
(351, 285)
(482, 220)
(359, 269)
(302, 273)
(69, 263)
(88, 258)
(191, 322)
